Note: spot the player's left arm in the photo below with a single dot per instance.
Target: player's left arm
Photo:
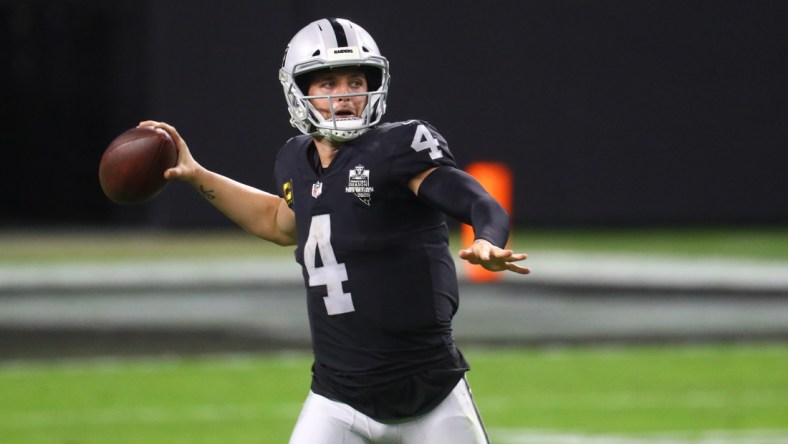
(459, 195)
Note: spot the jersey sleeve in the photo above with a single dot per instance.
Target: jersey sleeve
(283, 178)
(420, 147)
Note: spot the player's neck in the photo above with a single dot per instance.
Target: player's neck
(326, 150)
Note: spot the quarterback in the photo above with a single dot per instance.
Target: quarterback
(365, 203)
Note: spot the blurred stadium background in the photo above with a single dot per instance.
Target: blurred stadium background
(647, 142)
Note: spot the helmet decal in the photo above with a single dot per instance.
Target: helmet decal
(339, 32)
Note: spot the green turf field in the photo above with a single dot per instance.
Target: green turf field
(713, 394)
(638, 392)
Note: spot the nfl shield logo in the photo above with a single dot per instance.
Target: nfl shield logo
(317, 188)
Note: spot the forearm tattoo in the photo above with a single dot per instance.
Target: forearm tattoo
(208, 194)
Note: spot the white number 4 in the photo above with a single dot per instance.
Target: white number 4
(331, 274)
(423, 140)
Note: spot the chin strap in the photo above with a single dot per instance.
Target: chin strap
(331, 134)
(459, 195)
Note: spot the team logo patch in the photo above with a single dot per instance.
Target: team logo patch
(287, 192)
(317, 189)
(358, 184)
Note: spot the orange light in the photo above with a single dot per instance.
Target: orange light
(496, 178)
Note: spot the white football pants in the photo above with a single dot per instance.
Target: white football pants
(453, 421)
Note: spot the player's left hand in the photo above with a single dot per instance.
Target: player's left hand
(493, 258)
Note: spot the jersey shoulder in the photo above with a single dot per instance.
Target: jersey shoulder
(413, 146)
(407, 130)
(293, 146)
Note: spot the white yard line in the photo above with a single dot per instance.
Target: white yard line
(656, 271)
(166, 273)
(695, 399)
(548, 268)
(529, 436)
(145, 415)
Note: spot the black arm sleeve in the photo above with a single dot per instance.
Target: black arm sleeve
(462, 197)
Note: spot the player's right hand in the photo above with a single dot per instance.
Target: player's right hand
(187, 168)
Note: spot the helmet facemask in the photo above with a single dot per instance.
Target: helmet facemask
(336, 128)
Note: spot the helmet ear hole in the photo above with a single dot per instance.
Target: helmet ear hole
(303, 81)
(374, 77)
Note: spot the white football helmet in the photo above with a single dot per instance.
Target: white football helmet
(325, 44)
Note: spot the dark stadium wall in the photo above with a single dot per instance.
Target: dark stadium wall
(73, 73)
(608, 112)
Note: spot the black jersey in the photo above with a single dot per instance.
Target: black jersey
(381, 283)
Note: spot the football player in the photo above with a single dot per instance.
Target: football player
(365, 203)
